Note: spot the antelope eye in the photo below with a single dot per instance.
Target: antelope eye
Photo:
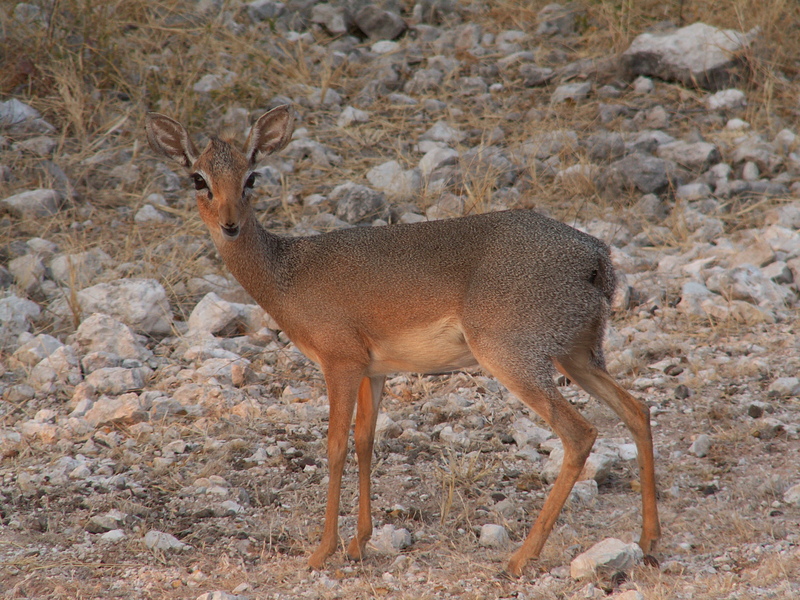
(251, 181)
(199, 182)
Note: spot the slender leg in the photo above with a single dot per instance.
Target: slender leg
(636, 416)
(342, 392)
(369, 398)
(529, 376)
(577, 436)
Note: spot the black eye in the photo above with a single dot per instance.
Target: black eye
(251, 181)
(199, 182)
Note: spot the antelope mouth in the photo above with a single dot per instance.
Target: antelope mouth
(230, 232)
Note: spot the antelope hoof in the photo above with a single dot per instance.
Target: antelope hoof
(355, 550)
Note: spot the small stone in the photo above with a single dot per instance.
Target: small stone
(125, 409)
(750, 171)
(643, 85)
(609, 556)
(390, 540)
(352, 115)
(534, 75)
(34, 204)
(571, 92)
(700, 446)
(106, 522)
(141, 304)
(81, 268)
(584, 492)
(696, 55)
(397, 183)
(379, 24)
(263, 10)
(729, 99)
(113, 536)
(117, 380)
(494, 536)
(784, 387)
(698, 156)
(158, 540)
(436, 158)
(357, 203)
(792, 495)
(442, 132)
(150, 214)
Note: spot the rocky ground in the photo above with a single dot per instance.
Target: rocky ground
(161, 438)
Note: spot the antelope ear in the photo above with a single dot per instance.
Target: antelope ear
(170, 139)
(272, 131)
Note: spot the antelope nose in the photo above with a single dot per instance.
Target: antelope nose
(230, 231)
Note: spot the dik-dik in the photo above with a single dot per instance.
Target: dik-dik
(515, 292)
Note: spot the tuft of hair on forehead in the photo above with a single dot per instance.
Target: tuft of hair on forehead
(229, 134)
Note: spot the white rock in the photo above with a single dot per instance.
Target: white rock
(437, 157)
(139, 303)
(785, 387)
(598, 464)
(696, 55)
(643, 85)
(442, 132)
(103, 333)
(118, 380)
(397, 183)
(726, 100)
(494, 536)
(215, 315)
(158, 540)
(9, 442)
(584, 492)
(792, 495)
(113, 536)
(608, 556)
(524, 431)
(16, 315)
(736, 124)
(220, 595)
(630, 595)
(125, 409)
(389, 540)
(701, 445)
(36, 349)
(332, 97)
(61, 367)
(571, 92)
(79, 269)
(352, 115)
(34, 204)
(150, 214)
(28, 272)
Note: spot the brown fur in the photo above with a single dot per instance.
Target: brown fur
(516, 292)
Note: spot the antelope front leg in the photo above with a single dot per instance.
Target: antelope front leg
(342, 390)
(369, 398)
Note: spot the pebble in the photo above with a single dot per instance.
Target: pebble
(493, 536)
(164, 542)
(609, 556)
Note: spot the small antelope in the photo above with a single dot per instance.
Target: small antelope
(515, 292)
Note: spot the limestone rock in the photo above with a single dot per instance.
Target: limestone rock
(357, 203)
(609, 556)
(103, 333)
(139, 303)
(696, 55)
(33, 204)
(494, 536)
